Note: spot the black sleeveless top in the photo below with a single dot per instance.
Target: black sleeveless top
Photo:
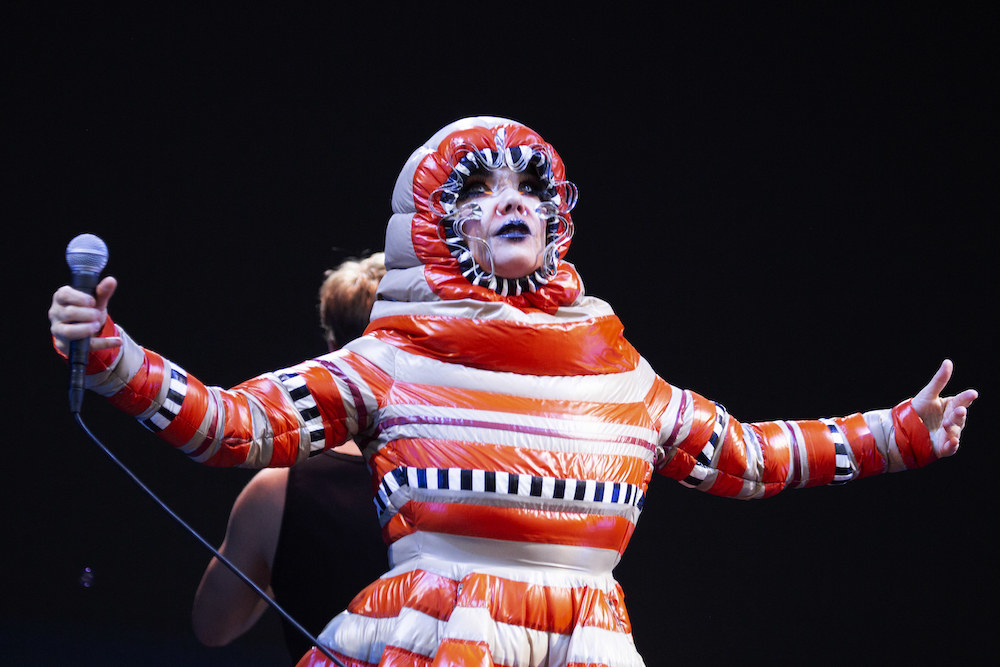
(329, 547)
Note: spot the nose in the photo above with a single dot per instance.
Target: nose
(510, 201)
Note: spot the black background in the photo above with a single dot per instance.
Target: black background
(792, 210)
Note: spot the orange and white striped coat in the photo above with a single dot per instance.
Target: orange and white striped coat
(511, 442)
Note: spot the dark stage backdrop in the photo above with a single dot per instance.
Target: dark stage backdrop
(792, 211)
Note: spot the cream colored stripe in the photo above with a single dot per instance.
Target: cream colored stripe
(455, 556)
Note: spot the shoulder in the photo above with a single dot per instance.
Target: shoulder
(264, 494)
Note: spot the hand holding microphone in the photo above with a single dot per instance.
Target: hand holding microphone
(78, 312)
(79, 309)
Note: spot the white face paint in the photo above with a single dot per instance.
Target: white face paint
(509, 228)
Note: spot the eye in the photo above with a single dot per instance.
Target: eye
(473, 188)
(531, 187)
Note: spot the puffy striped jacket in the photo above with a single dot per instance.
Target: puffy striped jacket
(511, 439)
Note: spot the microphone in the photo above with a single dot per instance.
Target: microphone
(86, 255)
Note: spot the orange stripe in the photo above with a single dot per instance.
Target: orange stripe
(100, 360)
(183, 427)
(280, 412)
(237, 428)
(423, 453)
(631, 414)
(657, 399)
(915, 447)
(821, 452)
(772, 488)
(862, 442)
(703, 421)
(134, 398)
(329, 402)
(590, 347)
(520, 524)
(726, 485)
(679, 466)
(396, 528)
(774, 443)
(314, 658)
(449, 283)
(732, 459)
(556, 609)
(379, 381)
(282, 416)
(422, 591)
(393, 656)
(460, 653)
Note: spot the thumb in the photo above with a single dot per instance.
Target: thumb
(938, 382)
(105, 289)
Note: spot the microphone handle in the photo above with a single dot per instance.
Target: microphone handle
(79, 350)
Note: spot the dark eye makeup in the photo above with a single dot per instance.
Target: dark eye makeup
(477, 185)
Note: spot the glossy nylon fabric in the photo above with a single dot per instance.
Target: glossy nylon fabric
(505, 567)
(512, 466)
(413, 239)
(510, 439)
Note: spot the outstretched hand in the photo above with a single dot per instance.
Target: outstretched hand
(944, 417)
(75, 315)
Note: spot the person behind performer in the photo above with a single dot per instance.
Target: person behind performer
(321, 507)
(510, 428)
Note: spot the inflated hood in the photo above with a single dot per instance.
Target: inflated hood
(421, 264)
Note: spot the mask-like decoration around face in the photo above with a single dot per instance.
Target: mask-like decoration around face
(427, 195)
(556, 199)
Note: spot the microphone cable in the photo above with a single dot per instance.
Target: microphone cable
(215, 552)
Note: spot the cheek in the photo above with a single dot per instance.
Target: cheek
(473, 227)
(539, 232)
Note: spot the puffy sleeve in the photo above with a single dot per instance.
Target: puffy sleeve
(275, 419)
(704, 447)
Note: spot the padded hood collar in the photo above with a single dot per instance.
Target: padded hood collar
(421, 266)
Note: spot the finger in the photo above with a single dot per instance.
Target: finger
(74, 314)
(102, 343)
(956, 417)
(948, 447)
(68, 296)
(954, 422)
(965, 398)
(105, 289)
(938, 382)
(69, 331)
(105, 343)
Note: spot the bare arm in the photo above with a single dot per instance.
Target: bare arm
(225, 607)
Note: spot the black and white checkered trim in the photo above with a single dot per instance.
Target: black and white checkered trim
(516, 158)
(557, 199)
(703, 467)
(508, 484)
(707, 454)
(845, 469)
(171, 407)
(305, 404)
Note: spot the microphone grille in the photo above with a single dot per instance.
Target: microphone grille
(87, 252)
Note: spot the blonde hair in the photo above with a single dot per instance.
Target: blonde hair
(346, 298)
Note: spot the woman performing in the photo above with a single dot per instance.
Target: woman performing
(510, 428)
